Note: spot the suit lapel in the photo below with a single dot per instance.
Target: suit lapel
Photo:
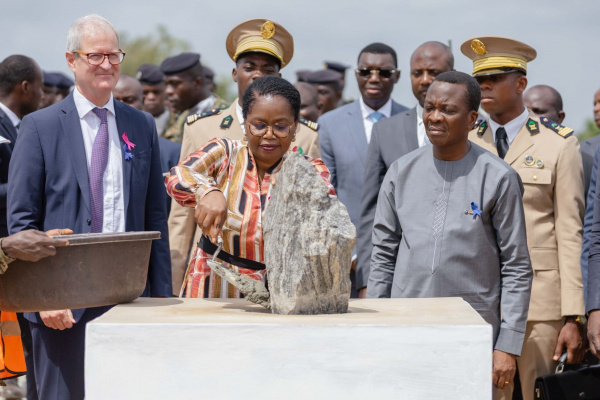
(356, 129)
(123, 126)
(11, 131)
(69, 119)
(521, 143)
(410, 129)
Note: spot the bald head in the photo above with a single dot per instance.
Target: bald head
(428, 61)
(545, 101)
(309, 101)
(129, 91)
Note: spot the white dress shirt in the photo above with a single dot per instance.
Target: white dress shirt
(365, 110)
(114, 208)
(511, 128)
(11, 115)
(421, 133)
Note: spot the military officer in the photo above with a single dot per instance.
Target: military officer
(258, 47)
(186, 92)
(546, 156)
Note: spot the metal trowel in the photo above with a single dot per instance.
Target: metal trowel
(253, 290)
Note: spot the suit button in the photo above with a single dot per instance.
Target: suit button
(535, 177)
(89, 221)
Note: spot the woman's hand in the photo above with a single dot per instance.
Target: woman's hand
(210, 214)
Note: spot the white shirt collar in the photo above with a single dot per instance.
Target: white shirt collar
(512, 128)
(419, 114)
(84, 106)
(11, 115)
(365, 110)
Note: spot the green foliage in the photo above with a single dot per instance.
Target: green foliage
(225, 88)
(590, 130)
(152, 48)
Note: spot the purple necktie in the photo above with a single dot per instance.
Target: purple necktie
(97, 168)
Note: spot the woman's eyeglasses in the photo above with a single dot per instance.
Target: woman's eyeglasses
(383, 72)
(280, 129)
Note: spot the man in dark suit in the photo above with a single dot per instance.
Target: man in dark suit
(91, 164)
(345, 132)
(20, 94)
(391, 139)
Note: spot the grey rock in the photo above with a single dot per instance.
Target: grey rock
(308, 240)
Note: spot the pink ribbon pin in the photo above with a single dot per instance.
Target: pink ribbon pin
(129, 144)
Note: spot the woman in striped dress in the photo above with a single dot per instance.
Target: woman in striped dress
(229, 184)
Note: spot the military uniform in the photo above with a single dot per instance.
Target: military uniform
(176, 129)
(546, 156)
(256, 35)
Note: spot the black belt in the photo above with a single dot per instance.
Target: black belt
(209, 248)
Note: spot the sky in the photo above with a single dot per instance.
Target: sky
(562, 32)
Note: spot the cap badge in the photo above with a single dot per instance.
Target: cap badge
(478, 47)
(529, 161)
(267, 30)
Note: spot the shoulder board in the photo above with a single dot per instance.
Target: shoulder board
(532, 127)
(556, 127)
(226, 123)
(312, 125)
(193, 118)
(481, 126)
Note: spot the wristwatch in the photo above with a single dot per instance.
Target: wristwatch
(579, 319)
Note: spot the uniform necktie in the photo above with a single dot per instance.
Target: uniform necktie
(376, 116)
(97, 168)
(501, 142)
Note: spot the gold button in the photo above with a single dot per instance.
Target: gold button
(535, 177)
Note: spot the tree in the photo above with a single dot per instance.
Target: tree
(152, 49)
(590, 130)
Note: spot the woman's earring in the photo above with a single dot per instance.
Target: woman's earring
(294, 138)
(244, 140)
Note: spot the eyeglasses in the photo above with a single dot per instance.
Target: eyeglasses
(280, 130)
(98, 58)
(384, 73)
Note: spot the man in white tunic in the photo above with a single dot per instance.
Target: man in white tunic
(450, 223)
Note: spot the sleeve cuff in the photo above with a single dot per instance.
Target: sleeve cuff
(510, 341)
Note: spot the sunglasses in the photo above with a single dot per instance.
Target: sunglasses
(384, 73)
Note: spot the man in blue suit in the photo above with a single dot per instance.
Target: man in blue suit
(345, 132)
(91, 164)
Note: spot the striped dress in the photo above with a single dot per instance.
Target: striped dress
(228, 166)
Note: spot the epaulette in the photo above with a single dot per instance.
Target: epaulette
(532, 127)
(481, 126)
(193, 118)
(312, 125)
(556, 127)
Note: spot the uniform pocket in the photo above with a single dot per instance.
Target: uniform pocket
(544, 259)
(536, 176)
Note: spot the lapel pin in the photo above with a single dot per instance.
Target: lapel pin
(539, 163)
(127, 147)
(529, 161)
